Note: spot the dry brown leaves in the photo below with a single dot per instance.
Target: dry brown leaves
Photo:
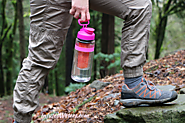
(164, 71)
(169, 70)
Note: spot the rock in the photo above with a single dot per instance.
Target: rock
(112, 118)
(116, 102)
(166, 87)
(122, 107)
(118, 75)
(99, 84)
(182, 91)
(111, 95)
(173, 112)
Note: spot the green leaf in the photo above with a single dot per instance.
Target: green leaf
(107, 59)
(73, 87)
(115, 64)
(101, 67)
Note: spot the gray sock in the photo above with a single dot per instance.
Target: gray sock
(133, 82)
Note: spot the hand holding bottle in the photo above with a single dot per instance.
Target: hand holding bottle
(80, 8)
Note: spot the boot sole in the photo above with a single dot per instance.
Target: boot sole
(137, 102)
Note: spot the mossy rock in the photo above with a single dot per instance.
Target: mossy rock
(173, 112)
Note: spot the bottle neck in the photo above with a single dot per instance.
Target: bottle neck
(85, 41)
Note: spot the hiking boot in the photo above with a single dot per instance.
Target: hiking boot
(145, 93)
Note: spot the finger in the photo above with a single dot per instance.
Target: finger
(88, 16)
(83, 17)
(76, 15)
(72, 11)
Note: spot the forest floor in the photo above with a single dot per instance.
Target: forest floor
(6, 110)
(90, 105)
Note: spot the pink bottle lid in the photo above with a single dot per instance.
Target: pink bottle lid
(86, 33)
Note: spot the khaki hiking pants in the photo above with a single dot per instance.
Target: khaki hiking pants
(50, 21)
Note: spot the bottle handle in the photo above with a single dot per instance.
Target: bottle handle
(83, 24)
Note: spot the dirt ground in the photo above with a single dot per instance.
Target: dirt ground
(6, 111)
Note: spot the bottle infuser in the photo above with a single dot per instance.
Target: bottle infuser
(83, 54)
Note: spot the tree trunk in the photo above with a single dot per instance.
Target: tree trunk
(2, 90)
(69, 55)
(51, 88)
(21, 31)
(9, 54)
(160, 34)
(56, 83)
(95, 64)
(107, 42)
(45, 87)
(95, 23)
(95, 51)
(3, 34)
(162, 22)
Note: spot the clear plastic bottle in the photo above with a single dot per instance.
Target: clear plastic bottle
(83, 54)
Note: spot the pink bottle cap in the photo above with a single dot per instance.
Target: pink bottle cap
(86, 33)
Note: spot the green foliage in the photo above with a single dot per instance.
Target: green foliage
(174, 32)
(165, 9)
(73, 87)
(27, 14)
(112, 59)
(114, 64)
(108, 57)
(8, 97)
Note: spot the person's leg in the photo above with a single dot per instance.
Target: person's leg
(135, 35)
(50, 21)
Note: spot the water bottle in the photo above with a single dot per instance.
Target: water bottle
(83, 54)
